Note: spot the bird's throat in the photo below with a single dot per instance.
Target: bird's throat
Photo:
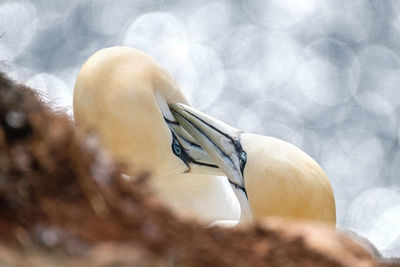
(245, 211)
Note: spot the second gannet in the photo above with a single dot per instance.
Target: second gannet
(122, 95)
(270, 177)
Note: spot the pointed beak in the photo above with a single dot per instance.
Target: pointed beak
(219, 140)
(197, 160)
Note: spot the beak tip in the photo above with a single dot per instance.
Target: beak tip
(176, 107)
(172, 105)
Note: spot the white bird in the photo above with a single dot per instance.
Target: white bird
(270, 177)
(122, 95)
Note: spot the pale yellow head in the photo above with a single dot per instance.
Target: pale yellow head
(282, 180)
(121, 94)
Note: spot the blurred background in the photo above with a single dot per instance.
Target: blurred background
(321, 74)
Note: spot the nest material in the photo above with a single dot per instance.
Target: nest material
(63, 201)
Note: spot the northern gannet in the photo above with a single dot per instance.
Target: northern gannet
(122, 95)
(270, 177)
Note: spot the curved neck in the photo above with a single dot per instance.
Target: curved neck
(245, 211)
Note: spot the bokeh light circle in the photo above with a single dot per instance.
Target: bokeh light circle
(273, 117)
(260, 62)
(326, 80)
(17, 27)
(201, 76)
(348, 20)
(279, 13)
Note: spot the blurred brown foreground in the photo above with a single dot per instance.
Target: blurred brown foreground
(64, 203)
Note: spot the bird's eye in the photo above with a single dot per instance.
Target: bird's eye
(177, 149)
(243, 156)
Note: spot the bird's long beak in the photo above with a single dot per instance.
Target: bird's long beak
(219, 140)
(194, 156)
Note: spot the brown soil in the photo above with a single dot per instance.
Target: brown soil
(64, 203)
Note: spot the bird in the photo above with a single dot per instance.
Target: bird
(269, 176)
(121, 95)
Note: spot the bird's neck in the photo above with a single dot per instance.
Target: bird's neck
(207, 198)
(245, 211)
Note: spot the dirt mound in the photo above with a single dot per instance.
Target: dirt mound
(63, 202)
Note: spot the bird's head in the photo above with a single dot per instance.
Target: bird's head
(122, 95)
(268, 175)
